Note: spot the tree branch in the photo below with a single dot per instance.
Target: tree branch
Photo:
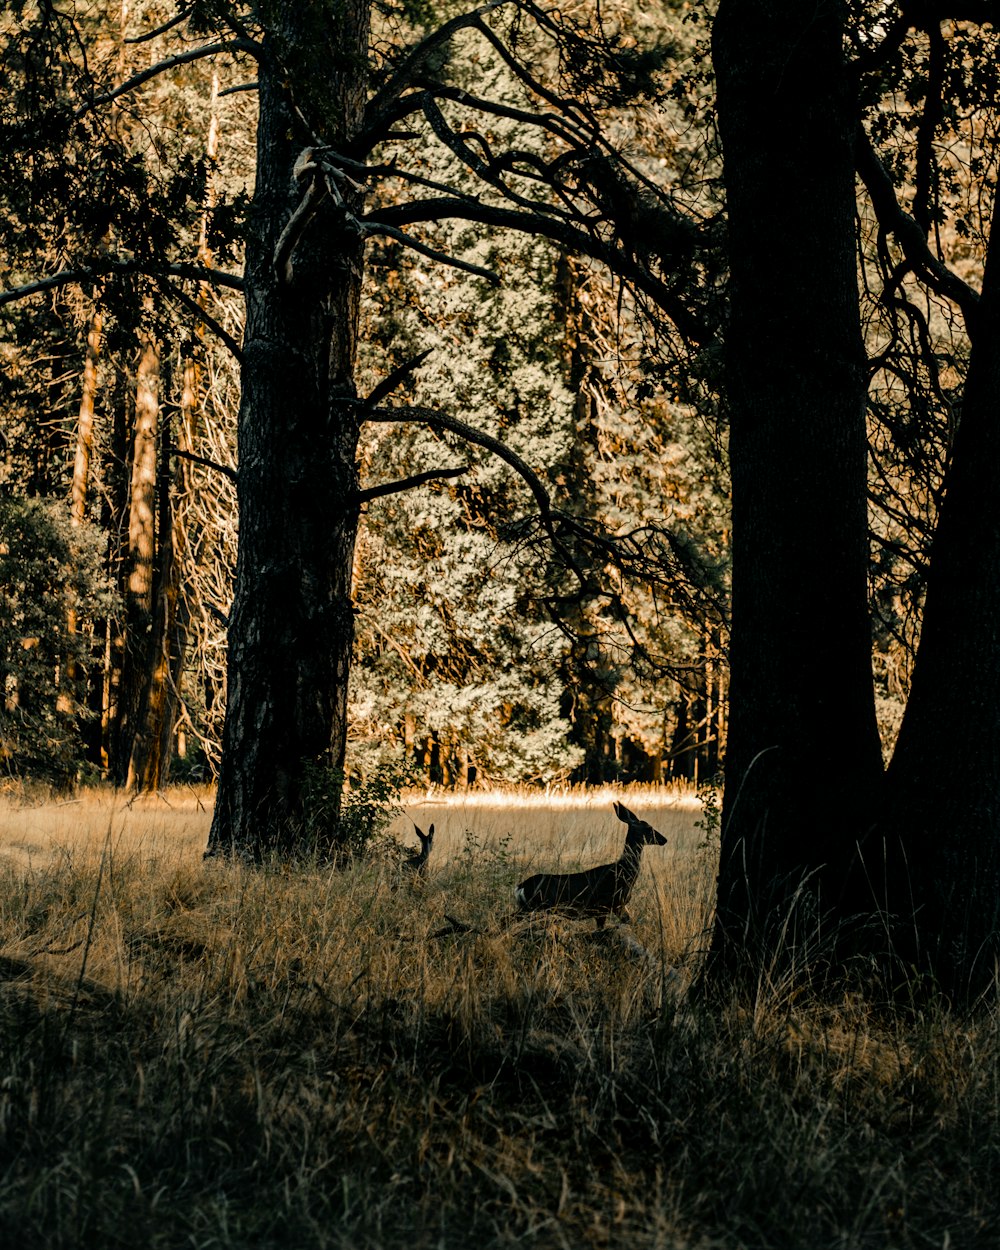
(179, 58)
(176, 20)
(406, 483)
(385, 98)
(908, 233)
(86, 273)
(389, 383)
(224, 469)
(196, 310)
(690, 325)
(243, 86)
(370, 228)
(444, 421)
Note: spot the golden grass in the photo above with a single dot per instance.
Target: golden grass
(210, 1055)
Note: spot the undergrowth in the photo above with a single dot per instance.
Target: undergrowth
(209, 1055)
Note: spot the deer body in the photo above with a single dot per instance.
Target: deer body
(598, 892)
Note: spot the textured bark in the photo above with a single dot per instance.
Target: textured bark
(80, 485)
(152, 746)
(140, 560)
(292, 623)
(803, 756)
(942, 803)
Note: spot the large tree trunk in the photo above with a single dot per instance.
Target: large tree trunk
(943, 785)
(291, 625)
(803, 757)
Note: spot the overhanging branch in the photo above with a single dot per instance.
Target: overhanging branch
(170, 62)
(574, 239)
(224, 469)
(444, 421)
(406, 483)
(371, 228)
(204, 316)
(97, 269)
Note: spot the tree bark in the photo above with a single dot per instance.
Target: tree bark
(803, 756)
(942, 801)
(152, 746)
(140, 562)
(291, 624)
(68, 694)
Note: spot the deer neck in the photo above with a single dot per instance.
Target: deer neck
(628, 865)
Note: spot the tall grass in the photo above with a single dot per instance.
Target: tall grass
(205, 1055)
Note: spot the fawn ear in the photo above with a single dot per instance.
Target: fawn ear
(430, 832)
(622, 812)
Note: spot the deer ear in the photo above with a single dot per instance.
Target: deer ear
(622, 812)
(430, 832)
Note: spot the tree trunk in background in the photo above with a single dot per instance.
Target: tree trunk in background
(291, 624)
(803, 756)
(942, 802)
(117, 477)
(140, 560)
(81, 480)
(152, 747)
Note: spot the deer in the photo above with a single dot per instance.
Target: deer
(598, 892)
(417, 864)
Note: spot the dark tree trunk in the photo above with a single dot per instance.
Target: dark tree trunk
(291, 624)
(943, 784)
(803, 756)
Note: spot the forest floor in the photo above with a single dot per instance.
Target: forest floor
(201, 1054)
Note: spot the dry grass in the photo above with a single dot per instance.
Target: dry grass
(207, 1055)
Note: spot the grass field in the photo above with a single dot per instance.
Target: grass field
(206, 1055)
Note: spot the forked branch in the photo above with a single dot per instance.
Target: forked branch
(909, 235)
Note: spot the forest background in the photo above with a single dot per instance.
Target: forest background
(574, 620)
(119, 508)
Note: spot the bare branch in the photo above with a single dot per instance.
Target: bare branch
(86, 273)
(176, 20)
(389, 383)
(370, 228)
(203, 315)
(315, 193)
(575, 239)
(224, 469)
(179, 58)
(381, 103)
(909, 235)
(444, 421)
(243, 86)
(406, 483)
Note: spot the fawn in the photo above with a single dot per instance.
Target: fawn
(418, 863)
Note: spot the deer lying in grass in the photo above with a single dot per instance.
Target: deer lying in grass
(596, 892)
(418, 863)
